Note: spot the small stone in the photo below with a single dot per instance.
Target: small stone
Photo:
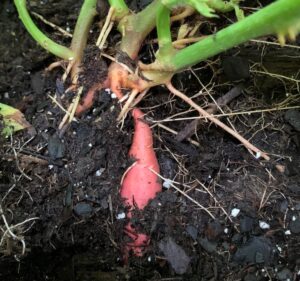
(192, 231)
(175, 255)
(121, 216)
(264, 225)
(208, 246)
(213, 230)
(255, 250)
(235, 212)
(83, 209)
(287, 232)
(295, 226)
(292, 116)
(284, 275)
(167, 183)
(294, 188)
(100, 172)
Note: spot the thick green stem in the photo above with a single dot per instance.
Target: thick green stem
(135, 28)
(54, 48)
(164, 37)
(81, 32)
(281, 17)
(120, 7)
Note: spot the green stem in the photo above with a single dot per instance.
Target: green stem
(82, 27)
(120, 7)
(135, 28)
(280, 17)
(54, 48)
(163, 27)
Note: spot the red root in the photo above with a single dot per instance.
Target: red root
(140, 184)
(88, 101)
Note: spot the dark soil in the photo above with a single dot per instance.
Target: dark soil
(62, 187)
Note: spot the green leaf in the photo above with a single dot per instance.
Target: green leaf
(13, 119)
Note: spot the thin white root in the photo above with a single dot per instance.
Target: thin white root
(128, 103)
(8, 233)
(101, 39)
(106, 35)
(54, 65)
(246, 143)
(68, 69)
(69, 116)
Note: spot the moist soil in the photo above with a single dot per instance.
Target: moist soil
(228, 215)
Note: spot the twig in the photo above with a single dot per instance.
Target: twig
(188, 130)
(106, 27)
(61, 30)
(176, 133)
(246, 143)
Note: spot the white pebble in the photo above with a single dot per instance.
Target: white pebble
(167, 183)
(90, 145)
(121, 216)
(226, 230)
(279, 248)
(264, 225)
(258, 154)
(235, 212)
(287, 232)
(113, 96)
(294, 218)
(50, 167)
(100, 172)
(149, 259)
(6, 95)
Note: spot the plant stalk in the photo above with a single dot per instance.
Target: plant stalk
(135, 28)
(281, 17)
(164, 37)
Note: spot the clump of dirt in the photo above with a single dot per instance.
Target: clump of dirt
(224, 214)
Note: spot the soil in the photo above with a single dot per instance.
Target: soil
(231, 215)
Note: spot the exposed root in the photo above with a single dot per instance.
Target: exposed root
(71, 110)
(11, 230)
(181, 43)
(128, 103)
(188, 11)
(246, 143)
(56, 64)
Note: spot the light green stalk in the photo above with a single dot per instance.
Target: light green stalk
(134, 28)
(82, 27)
(54, 48)
(120, 7)
(163, 31)
(281, 17)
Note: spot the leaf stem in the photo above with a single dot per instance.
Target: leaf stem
(48, 44)
(280, 17)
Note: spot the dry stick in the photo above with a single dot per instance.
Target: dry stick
(184, 194)
(190, 128)
(106, 35)
(69, 115)
(105, 27)
(246, 143)
(61, 30)
(176, 133)
(76, 101)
